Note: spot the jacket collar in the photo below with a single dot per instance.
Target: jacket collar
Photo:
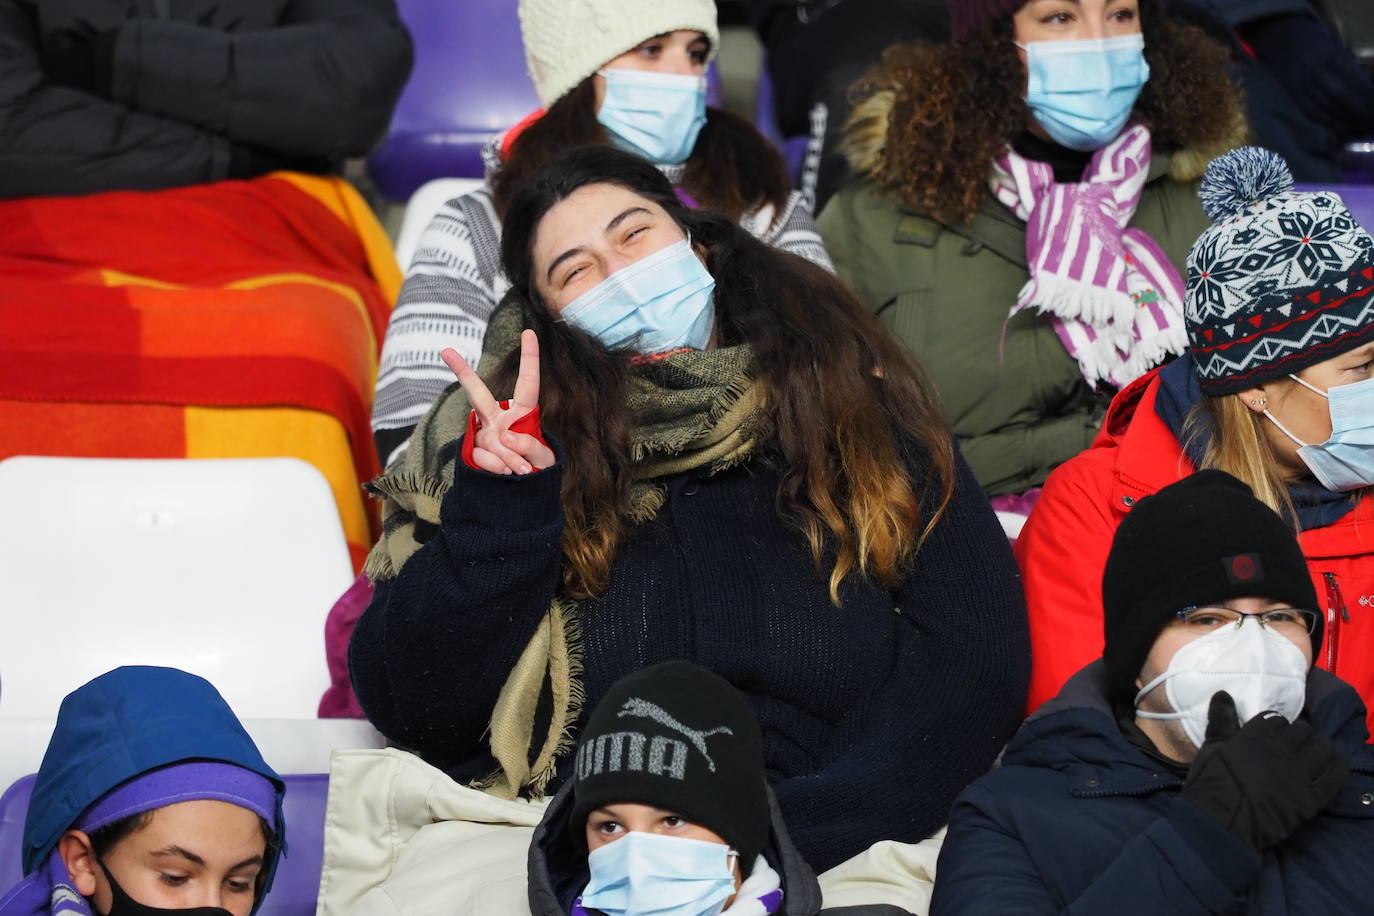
(1143, 425)
(1147, 455)
(1077, 734)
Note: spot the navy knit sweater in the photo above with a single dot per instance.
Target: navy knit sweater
(874, 714)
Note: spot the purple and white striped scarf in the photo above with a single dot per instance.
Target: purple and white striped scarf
(1113, 296)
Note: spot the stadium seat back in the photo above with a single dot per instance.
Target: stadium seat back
(224, 568)
(1359, 198)
(469, 82)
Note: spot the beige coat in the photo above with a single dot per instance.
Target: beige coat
(401, 837)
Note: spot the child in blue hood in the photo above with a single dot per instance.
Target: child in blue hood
(151, 798)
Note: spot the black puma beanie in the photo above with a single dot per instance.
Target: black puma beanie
(677, 737)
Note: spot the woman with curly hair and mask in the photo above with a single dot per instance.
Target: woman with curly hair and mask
(1026, 200)
(711, 452)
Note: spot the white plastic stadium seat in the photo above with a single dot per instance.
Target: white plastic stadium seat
(420, 210)
(1012, 523)
(224, 568)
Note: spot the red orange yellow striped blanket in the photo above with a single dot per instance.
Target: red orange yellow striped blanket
(238, 319)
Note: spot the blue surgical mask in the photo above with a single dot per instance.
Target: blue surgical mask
(645, 874)
(660, 302)
(1082, 92)
(654, 115)
(1345, 461)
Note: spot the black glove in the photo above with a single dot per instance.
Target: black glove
(1318, 71)
(1263, 781)
(87, 65)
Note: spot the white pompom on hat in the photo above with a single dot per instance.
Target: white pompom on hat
(567, 41)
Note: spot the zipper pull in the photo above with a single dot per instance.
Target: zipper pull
(1340, 598)
(1334, 605)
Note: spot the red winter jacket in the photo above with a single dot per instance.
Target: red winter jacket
(1063, 549)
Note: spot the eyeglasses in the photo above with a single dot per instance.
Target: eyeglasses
(1289, 620)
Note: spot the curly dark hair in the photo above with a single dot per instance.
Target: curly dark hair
(937, 115)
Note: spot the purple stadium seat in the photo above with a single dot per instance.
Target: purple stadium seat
(469, 83)
(1358, 162)
(766, 119)
(1358, 197)
(765, 115)
(298, 876)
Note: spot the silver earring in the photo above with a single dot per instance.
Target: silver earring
(1259, 402)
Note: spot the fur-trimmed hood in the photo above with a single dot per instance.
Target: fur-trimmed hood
(868, 134)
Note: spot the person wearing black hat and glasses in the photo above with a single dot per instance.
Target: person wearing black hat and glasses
(1202, 765)
(669, 811)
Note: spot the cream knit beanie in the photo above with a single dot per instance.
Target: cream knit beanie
(567, 41)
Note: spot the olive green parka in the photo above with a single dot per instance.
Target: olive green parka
(1010, 391)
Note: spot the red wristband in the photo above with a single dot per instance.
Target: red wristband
(528, 425)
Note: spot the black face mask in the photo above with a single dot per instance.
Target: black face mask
(124, 905)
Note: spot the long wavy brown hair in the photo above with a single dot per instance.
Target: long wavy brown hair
(733, 168)
(847, 413)
(929, 119)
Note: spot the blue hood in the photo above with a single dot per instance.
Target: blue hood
(123, 724)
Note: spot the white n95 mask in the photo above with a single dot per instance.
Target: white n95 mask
(1259, 668)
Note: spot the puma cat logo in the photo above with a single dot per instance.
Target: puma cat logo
(643, 709)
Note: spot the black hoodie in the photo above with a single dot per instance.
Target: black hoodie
(558, 868)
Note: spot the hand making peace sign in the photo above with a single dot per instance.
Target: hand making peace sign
(497, 449)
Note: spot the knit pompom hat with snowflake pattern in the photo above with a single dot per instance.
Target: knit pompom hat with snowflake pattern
(1281, 280)
(567, 41)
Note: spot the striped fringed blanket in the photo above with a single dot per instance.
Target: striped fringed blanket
(237, 319)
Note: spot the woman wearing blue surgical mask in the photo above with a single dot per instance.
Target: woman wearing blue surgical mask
(1025, 200)
(709, 452)
(625, 73)
(1277, 389)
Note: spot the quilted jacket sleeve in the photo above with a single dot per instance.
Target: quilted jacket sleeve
(1183, 864)
(321, 84)
(57, 140)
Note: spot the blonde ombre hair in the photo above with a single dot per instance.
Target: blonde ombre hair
(1236, 444)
